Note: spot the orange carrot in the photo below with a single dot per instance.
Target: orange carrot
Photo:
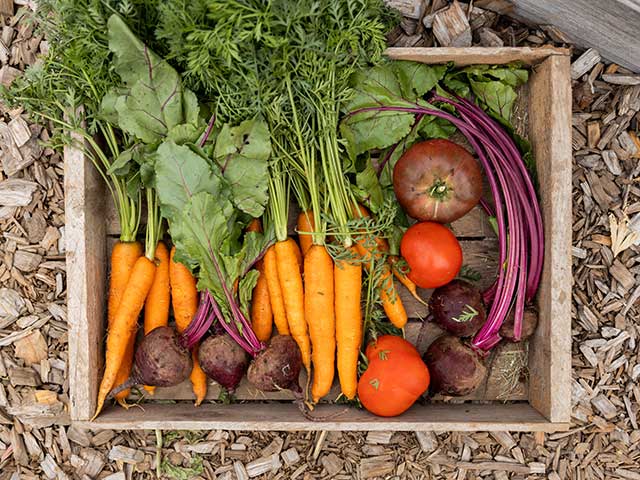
(184, 293)
(319, 310)
(402, 278)
(261, 313)
(156, 307)
(184, 299)
(293, 295)
(198, 378)
(306, 225)
(391, 302)
(275, 292)
(254, 225)
(298, 253)
(124, 322)
(348, 281)
(123, 258)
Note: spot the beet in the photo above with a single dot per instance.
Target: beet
(223, 360)
(161, 359)
(277, 367)
(457, 308)
(455, 369)
(529, 324)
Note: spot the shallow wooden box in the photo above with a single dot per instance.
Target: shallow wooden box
(540, 404)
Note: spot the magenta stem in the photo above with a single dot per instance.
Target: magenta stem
(207, 133)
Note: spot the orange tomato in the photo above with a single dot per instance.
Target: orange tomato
(393, 382)
(389, 342)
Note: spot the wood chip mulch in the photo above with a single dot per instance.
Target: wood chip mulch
(36, 441)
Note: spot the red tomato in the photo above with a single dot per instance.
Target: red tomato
(392, 383)
(437, 180)
(433, 254)
(386, 343)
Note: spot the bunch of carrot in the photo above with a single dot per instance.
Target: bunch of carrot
(151, 280)
(323, 303)
(317, 300)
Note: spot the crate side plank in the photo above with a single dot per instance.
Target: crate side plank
(474, 55)
(550, 136)
(85, 241)
(287, 417)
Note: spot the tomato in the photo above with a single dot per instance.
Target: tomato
(386, 343)
(437, 180)
(392, 383)
(433, 254)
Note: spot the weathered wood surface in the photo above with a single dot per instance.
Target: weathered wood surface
(286, 416)
(474, 55)
(550, 134)
(86, 270)
(610, 26)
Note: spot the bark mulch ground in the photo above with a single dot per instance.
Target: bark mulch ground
(36, 441)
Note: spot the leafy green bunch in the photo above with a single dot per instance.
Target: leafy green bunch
(77, 69)
(66, 88)
(208, 183)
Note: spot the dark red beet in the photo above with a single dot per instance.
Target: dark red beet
(161, 360)
(457, 308)
(277, 367)
(529, 324)
(455, 369)
(223, 360)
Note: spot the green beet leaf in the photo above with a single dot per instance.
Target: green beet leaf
(180, 173)
(367, 188)
(242, 153)
(497, 96)
(153, 102)
(368, 130)
(416, 79)
(201, 232)
(435, 127)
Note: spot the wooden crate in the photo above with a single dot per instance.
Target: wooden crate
(541, 404)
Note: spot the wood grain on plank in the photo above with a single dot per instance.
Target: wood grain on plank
(611, 26)
(550, 136)
(85, 242)
(474, 55)
(287, 417)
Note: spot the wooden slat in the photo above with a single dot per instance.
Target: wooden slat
(610, 26)
(287, 417)
(86, 278)
(474, 55)
(550, 135)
